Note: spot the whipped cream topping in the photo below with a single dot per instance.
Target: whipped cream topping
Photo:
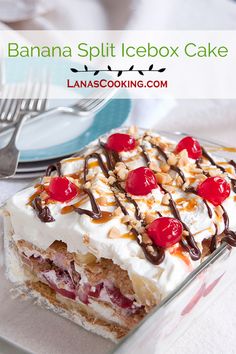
(83, 234)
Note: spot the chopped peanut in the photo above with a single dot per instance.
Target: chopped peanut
(165, 167)
(165, 199)
(146, 239)
(149, 218)
(114, 233)
(172, 160)
(86, 239)
(102, 201)
(117, 212)
(163, 178)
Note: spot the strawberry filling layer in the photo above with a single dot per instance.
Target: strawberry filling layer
(68, 283)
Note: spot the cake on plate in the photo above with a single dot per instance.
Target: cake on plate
(108, 233)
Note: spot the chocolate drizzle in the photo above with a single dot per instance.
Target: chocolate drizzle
(208, 209)
(153, 253)
(193, 190)
(200, 167)
(130, 199)
(180, 173)
(95, 213)
(213, 243)
(53, 167)
(145, 155)
(210, 159)
(96, 156)
(112, 157)
(43, 212)
(173, 168)
(231, 162)
(230, 236)
(188, 243)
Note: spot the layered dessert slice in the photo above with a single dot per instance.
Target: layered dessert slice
(107, 234)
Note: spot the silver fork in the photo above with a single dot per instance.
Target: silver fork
(83, 108)
(11, 107)
(9, 155)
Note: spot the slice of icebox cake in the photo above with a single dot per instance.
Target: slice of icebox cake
(107, 234)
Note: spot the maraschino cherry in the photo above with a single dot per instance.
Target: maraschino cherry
(214, 189)
(165, 231)
(140, 181)
(61, 189)
(121, 142)
(191, 145)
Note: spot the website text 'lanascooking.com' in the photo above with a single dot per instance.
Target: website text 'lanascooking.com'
(103, 83)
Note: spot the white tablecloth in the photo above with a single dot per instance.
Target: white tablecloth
(214, 332)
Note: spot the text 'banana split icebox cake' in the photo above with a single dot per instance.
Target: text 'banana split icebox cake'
(107, 234)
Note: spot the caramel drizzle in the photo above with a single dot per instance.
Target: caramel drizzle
(43, 212)
(54, 167)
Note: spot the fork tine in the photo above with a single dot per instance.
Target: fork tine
(3, 102)
(87, 103)
(34, 101)
(16, 110)
(44, 97)
(11, 103)
(26, 91)
(29, 88)
(7, 103)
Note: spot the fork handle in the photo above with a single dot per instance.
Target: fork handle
(17, 129)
